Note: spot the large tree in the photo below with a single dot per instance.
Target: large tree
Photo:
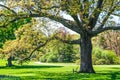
(88, 18)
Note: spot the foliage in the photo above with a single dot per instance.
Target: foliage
(113, 42)
(101, 56)
(8, 33)
(58, 51)
(27, 38)
(62, 53)
(108, 40)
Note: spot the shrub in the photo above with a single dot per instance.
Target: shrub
(44, 58)
(117, 60)
(102, 61)
(77, 61)
(101, 56)
(52, 58)
(109, 55)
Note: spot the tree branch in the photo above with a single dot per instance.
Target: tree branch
(79, 23)
(39, 46)
(69, 41)
(104, 29)
(86, 8)
(95, 15)
(50, 7)
(11, 21)
(8, 9)
(67, 23)
(5, 25)
(111, 9)
(118, 15)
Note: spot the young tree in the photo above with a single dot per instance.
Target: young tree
(89, 18)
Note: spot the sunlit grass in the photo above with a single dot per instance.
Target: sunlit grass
(57, 71)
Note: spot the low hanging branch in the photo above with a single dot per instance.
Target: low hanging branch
(39, 46)
(55, 37)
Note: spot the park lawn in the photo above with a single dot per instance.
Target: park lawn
(57, 71)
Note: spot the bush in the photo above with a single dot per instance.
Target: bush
(109, 55)
(44, 58)
(102, 61)
(48, 58)
(101, 56)
(52, 58)
(117, 60)
(77, 61)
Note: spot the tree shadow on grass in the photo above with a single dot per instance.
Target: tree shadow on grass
(29, 66)
(60, 76)
(7, 77)
(113, 75)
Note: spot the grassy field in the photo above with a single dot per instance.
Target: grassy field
(57, 71)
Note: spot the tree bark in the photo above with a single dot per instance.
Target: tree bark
(86, 54)
(9, 61)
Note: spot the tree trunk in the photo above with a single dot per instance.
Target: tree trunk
(86, 55)
(9, 61)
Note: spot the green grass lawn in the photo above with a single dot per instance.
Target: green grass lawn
(57, 71)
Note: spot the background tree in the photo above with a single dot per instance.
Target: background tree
(110, 41)
(58, 51)
(89, 18)
(27, 39)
